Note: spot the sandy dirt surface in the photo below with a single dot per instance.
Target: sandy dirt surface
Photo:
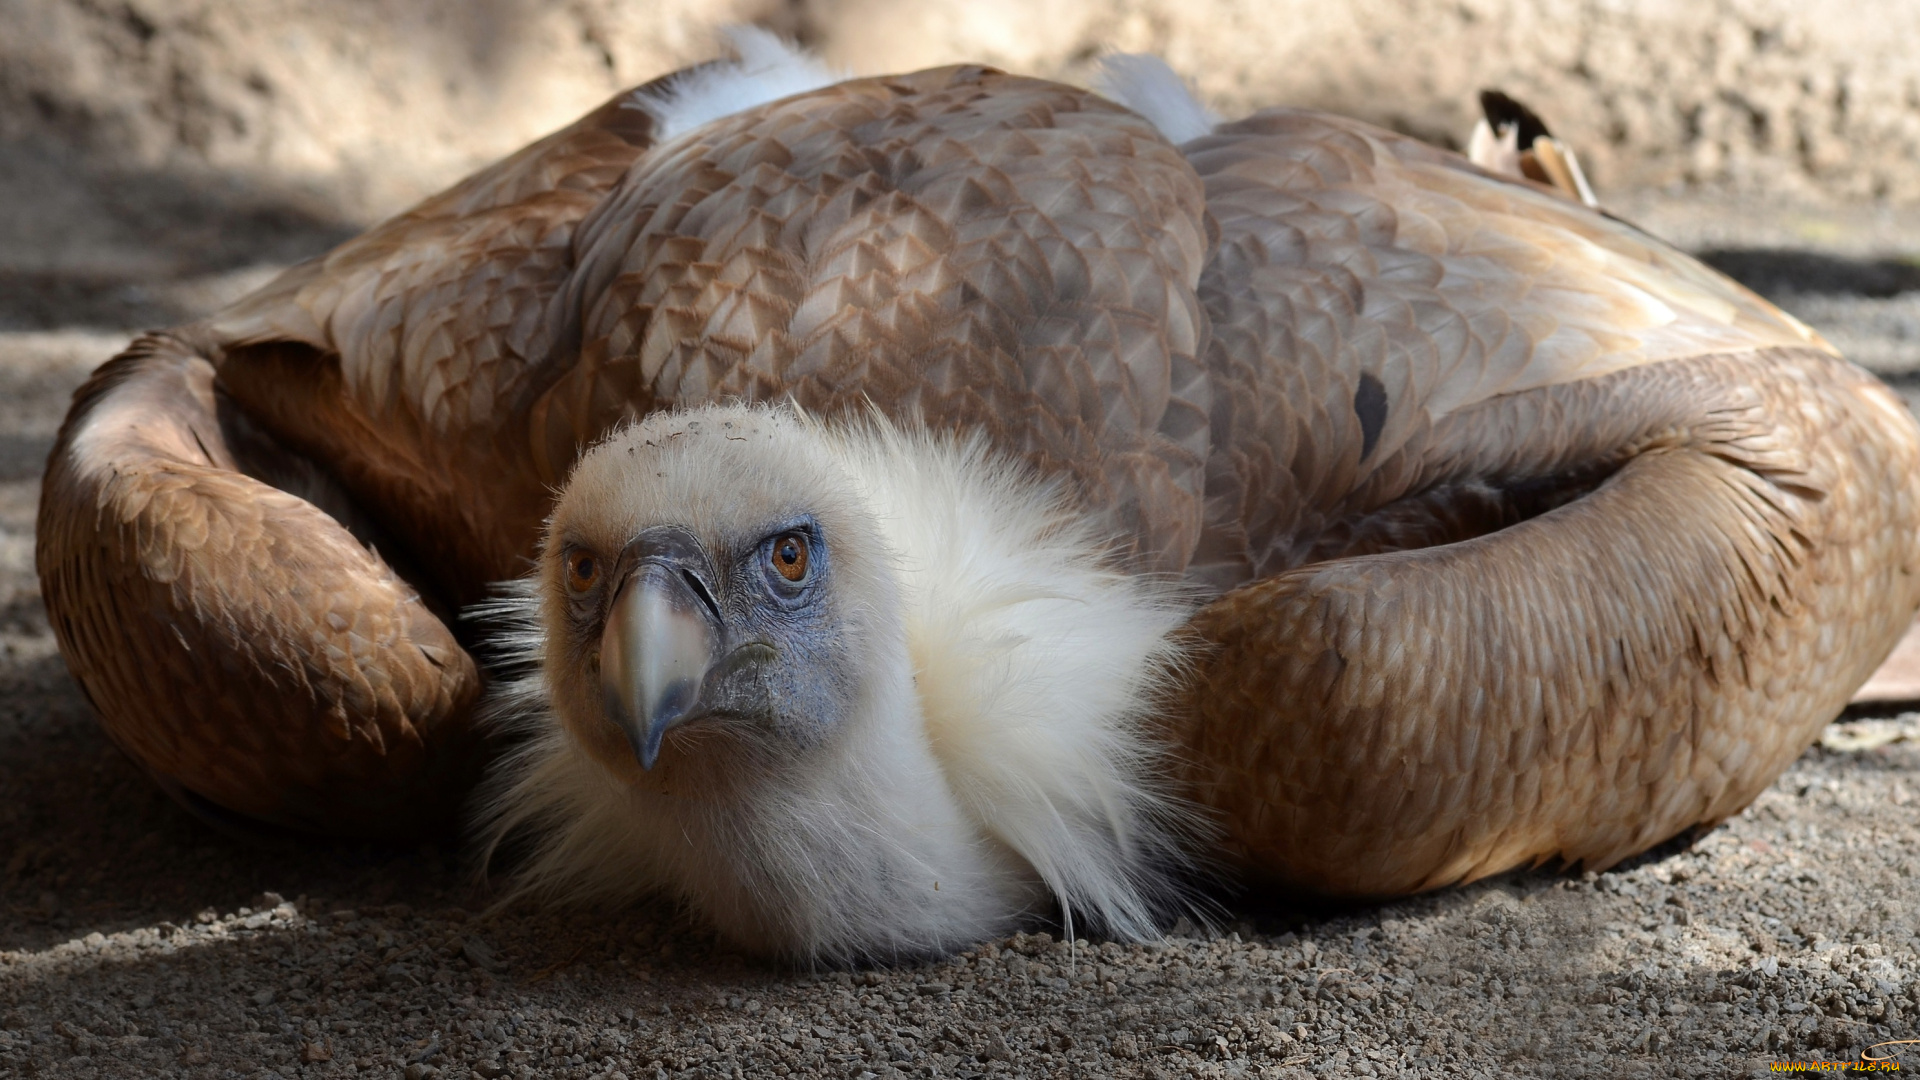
(135, 941)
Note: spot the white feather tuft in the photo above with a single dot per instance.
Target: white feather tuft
(1148, 86)
(767, 69)
(1001, 751)
(1036, 665)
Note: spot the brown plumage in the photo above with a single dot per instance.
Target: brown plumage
(1526, 536)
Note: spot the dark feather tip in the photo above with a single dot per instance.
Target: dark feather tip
(1503, 112)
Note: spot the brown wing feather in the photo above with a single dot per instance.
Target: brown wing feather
(1559, 542)
(1584, 684)
(1349, 256)
(237, 640)
(406, 359)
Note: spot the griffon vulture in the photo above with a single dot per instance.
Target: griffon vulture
(954, 490)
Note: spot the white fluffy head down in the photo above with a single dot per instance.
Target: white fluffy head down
(995, 679)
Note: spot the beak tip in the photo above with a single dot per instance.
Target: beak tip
(643, 738)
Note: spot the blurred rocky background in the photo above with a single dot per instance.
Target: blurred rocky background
(361, 106)
(157, 156)
(369, 103)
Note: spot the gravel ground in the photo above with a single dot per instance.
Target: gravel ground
(134, 941)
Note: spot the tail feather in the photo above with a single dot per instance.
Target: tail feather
(1511, 140)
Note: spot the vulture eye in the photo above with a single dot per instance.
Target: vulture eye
(582, 570)
(789, 556)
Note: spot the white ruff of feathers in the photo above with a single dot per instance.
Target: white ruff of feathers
(767, 69)
(1003, 754)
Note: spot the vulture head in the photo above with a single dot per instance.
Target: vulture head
(720, 589)
(849, 691)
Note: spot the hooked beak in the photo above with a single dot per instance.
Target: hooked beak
(662, 637)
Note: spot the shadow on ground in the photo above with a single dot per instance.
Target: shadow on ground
(93, 845)
(113, 249)
(1774, 272)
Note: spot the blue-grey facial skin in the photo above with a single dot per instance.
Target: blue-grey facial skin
(792, 640)
(778, 676)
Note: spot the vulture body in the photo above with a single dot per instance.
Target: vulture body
(1506, 532)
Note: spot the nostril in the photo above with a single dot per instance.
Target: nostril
(700, 590)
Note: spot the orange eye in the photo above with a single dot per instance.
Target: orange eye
(790, 556)
(582, 570)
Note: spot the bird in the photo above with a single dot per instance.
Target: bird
(945, 500)
(1511, 139)
(887, 673)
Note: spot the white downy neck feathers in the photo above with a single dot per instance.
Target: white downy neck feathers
(1148, 86)
(768, 69)
(997, 753)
